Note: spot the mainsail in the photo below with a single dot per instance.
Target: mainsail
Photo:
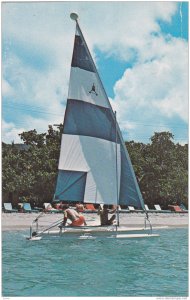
(94, 165)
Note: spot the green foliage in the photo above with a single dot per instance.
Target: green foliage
(32, 173)
(161, 167)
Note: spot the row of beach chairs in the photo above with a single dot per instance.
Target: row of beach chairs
(158, 209)
(89, 208)
(26, 207)
(172, 208)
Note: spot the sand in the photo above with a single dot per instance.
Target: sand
(22, 221)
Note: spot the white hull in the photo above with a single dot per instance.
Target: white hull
(97, 233)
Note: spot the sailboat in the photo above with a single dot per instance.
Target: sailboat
(94, 164)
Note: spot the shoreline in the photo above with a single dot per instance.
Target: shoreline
(23, 221)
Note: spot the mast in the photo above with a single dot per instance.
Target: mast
(74, 17)
(91, 137)
(117, 190)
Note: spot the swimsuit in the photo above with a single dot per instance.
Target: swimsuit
(78, 222)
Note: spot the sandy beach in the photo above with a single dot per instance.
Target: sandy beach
(22, 221)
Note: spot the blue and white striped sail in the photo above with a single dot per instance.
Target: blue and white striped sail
(94, 165)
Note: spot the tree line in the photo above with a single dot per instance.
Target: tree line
(29, 173)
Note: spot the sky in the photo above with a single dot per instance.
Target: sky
(140, 50)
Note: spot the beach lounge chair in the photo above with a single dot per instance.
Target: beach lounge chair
(148, 209)
(27, 208)
(131, 208)
(176, 208)
(158, 209)
(48, 208)
(90, 208)
(8, 208)
(182, 206)
(123, 210)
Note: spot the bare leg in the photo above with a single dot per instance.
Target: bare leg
(111, 220)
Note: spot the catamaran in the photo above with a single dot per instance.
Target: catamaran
(94, 164)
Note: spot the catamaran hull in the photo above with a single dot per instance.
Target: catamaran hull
(97, 233)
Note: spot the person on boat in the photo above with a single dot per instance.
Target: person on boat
(103, 213)
(79, 207)
(58, 205)
(71, 214)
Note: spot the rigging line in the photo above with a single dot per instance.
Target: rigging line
(28, 127)
(25, 107)
(139, 136)
(13, 103)
(126, 133)
(17, 102)
(127, 139)
(146, 142)
(162, 126)
(28, 124)
(134, 122)
(155, 124)
(19, 123)
(32, 111)
(121, 122)
(150, 133)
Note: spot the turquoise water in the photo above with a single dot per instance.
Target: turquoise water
(59, 267)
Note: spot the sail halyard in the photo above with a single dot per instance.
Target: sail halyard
(89, 108)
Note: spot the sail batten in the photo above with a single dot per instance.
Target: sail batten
(92, 142)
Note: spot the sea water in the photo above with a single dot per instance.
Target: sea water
(110, 267)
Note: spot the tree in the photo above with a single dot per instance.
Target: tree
(16, 177)
(161, 167)
(43, 158)
(32, 172)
